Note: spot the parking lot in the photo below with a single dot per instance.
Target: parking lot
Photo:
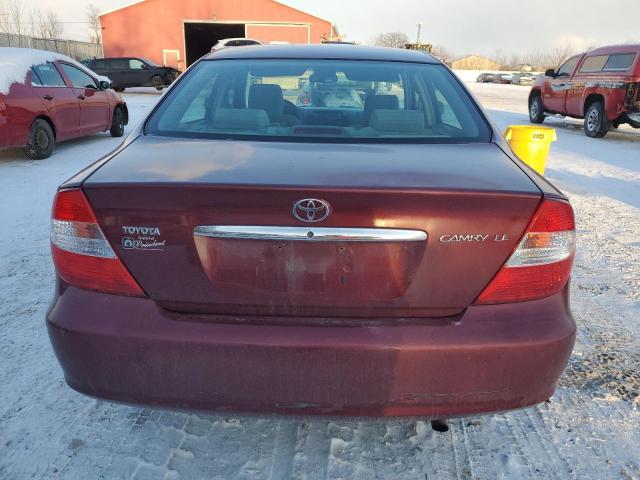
(589, 429)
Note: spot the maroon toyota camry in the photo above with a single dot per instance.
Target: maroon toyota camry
(327, 229)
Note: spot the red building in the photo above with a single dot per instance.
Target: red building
(177, 33)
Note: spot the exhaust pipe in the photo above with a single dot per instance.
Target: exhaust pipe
(441, 425)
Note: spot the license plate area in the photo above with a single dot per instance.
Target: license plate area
(310, 266)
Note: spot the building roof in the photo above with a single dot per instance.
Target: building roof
(127, 5)
(135, 2)
(466, 57)
(327, 51)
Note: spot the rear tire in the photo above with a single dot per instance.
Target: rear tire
(117, 123)
(596, 123)
(40, 141)
(156, 82)
(536, 110)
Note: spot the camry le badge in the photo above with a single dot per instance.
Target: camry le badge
(462, 238)
(311, 210)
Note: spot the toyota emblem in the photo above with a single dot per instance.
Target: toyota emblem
(311, 210)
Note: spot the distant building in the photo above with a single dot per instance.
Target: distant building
(525, 67)
(474, 62)
(177, 33)
(419, 47)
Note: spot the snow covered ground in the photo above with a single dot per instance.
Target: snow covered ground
(589, 430)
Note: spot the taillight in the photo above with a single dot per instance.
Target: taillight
(541, 263)
(81, 253)
(3, 106)
(632, 96)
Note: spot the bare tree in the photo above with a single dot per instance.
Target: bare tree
(391, 39)
(561, 53)
(5, 24)
(442, 53)
(499, 57)
(50, 26)
(14, 12)
(93, 17)
(35, 19)
(538, 60)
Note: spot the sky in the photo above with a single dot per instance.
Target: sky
(483, 27)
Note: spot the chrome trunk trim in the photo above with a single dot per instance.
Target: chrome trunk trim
(306, 234)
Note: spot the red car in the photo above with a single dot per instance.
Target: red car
(240, 253)
(52, 99)
(602, 86)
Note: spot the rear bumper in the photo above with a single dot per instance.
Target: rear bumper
(496, 358)
(634, 116)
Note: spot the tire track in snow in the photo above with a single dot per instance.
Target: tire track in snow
(283, 453)
(542, 442)
(313, 447)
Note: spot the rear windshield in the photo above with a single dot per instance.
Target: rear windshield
(620, 62)
(608, 63)
(316, 100)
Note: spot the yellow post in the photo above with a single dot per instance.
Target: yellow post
(531, 144)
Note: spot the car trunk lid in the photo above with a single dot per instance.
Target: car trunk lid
(413, 230)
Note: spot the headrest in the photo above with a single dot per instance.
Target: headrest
(397, 120)
(240, 119)
(267, 97)
(385, 102)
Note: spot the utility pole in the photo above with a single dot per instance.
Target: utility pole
(419, 29)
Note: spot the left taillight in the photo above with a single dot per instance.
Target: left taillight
(541, 264)
(81, 253)
(3, 106)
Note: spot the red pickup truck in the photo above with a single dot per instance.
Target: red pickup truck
(602, 86)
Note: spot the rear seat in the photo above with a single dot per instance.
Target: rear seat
(269, 97)
(397, 120)
(244, 119)
(379, 102)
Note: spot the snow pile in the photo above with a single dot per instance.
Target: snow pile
(16, 62)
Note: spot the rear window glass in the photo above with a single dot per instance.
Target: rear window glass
(320, 100)
(620, 62)
(46, 75)
(608, 63)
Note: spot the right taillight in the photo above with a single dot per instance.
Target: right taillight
(81, 253)
(632, 97)
(541, 263)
